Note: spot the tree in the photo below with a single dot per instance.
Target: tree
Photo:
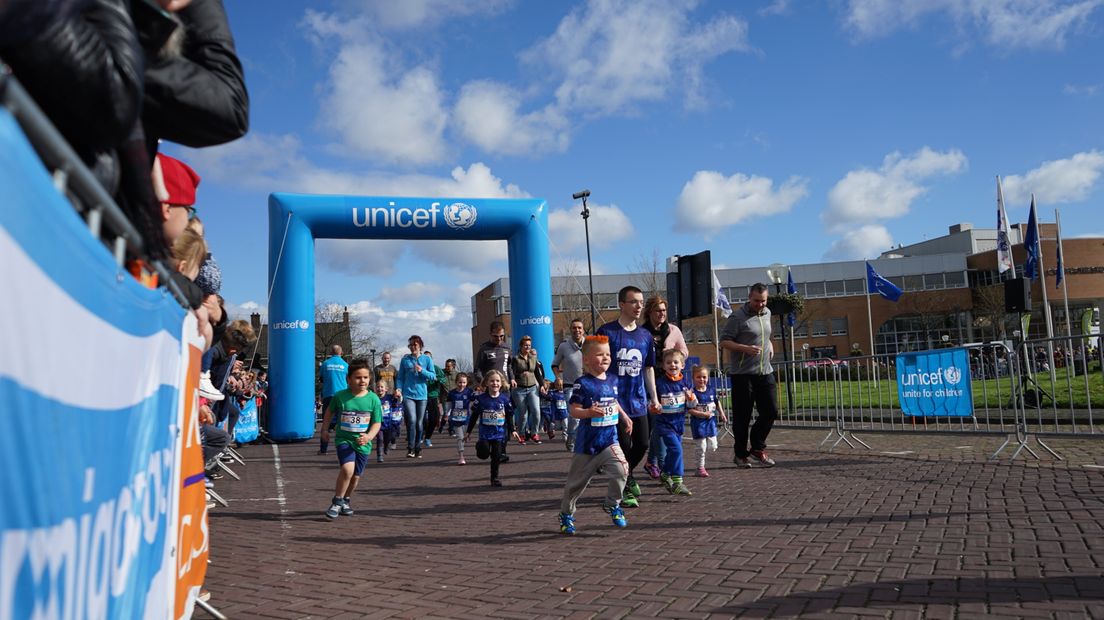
(652, 273)
(334, 325)
(989, 313)
(573, 300)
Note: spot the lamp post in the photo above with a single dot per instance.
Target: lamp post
(777, 273)
(373, 354)
(590, 272)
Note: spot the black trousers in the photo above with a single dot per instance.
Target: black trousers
(433, 416)
(497, 448)
(635, 445)
(748, 392)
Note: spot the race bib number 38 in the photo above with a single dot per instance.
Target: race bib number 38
(355, 421)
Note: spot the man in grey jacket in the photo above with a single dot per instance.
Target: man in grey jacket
(747, 338)
(568, 365)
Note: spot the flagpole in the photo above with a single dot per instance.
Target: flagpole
(1046, 302)
(870, 323)
(1002, 229)
(1062, 276)
(716, 330)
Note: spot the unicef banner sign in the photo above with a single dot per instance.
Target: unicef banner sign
(935, 383)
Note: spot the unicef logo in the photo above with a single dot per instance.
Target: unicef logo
(304, 324)
(537, 320)
(459, 215)
(952, 375)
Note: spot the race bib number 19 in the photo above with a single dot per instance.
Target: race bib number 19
(609, 418)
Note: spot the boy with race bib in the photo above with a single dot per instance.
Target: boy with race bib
(359, 417)
(457, 410)
(392, 420)
(594, 403)
(676, 397)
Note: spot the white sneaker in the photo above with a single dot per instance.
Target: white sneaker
(207, 389)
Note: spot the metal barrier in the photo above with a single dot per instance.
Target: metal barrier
(1011, 397)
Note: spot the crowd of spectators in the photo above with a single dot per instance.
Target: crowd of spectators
(116, 78)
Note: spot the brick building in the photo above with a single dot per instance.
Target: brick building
(952, 296)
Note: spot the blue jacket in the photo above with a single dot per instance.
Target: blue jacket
(413, 384)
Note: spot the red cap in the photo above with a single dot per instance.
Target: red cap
(180, 182)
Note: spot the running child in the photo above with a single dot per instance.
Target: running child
(493, 411)
(359, 419)
(594, 404)
(546, 410)
(392, 420)
(458, 410)
(703, 417)
(559, 408)
(676, 395)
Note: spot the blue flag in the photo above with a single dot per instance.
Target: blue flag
(1061, 265)
(1031, 244)
(791, 288)
(877, 284)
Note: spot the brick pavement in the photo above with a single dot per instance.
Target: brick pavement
(934, 533)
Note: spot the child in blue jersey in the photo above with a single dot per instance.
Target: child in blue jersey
(493, 412)
(546, 410)
(359, 416)
(594, 404)
(676, 397)
(703, 417)
(558, 407)
(458, 410)
(389, 407)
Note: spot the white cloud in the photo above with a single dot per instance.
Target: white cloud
(865, 195)
(608, 225)
(423, 14)
(445, 327)
(487, 115)
(244, 310)
(867, 241)
(1088, 90)
(711, 201)
(778, 7)
(1002, 23)
(613, 54)
(1058, 181)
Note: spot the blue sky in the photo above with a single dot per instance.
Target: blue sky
(769, 131)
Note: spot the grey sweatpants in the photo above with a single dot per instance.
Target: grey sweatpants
(584, 467)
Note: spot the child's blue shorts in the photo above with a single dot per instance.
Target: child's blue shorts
(348, 454)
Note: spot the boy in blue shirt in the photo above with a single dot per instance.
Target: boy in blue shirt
(594, 403)
(676, 396)
(558, 408)
(359, 416)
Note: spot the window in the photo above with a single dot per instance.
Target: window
(955, 279)
(814, 289)
(820, 327)
(834, 288)
(855, 287)
(914, 283)
(801, 330)
(502, 306)
(839, 326)
(933, 281)
(475, 314)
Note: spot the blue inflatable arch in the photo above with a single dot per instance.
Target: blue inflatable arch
(296, 220)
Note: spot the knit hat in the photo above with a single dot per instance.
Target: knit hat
(210, 277)
(177, 182)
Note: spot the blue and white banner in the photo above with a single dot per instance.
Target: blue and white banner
(247, 429)
(90, 370)
(935, 383)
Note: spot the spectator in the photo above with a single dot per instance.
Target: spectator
(747, 338)
(433, 403)
(385, 372)
(332, 372)
(526, 387)
(568, 365)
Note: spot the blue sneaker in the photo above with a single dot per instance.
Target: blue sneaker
(428, 443)
(618, 516)
(335, 508)
(346, 509)
(567, 524)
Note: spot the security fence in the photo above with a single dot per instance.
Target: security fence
(1046, 387)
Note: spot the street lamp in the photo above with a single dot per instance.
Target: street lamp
(590, 272)
(373, 353)
(777, 273)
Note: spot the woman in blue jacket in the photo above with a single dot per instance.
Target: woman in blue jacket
(415, 371)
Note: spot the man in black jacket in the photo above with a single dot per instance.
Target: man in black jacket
(494, 355)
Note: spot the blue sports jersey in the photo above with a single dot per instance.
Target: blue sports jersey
(392, 413)
(559, 404)
(458, 406)
(493, 414)
(632, 353)
(545, 407)
(334, 372)
(673, 401)
(596, 434)
(700, 428)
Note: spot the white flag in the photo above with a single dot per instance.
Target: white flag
(720, 300)
(1004, 246)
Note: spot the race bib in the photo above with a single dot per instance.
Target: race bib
(561, 405)
(609, 418)
(459, 412)
(355, 421)
(396, 415)
(711, 408)
(672, 403)
(493, 417)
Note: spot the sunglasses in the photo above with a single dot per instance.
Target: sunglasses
(190, 208)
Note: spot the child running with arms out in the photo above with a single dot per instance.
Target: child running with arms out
(493, 411)
(558, 408)
(359, 416)
(458, 410)
(392, 420)
(676, 396)
(703, 417)
(594, 404)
